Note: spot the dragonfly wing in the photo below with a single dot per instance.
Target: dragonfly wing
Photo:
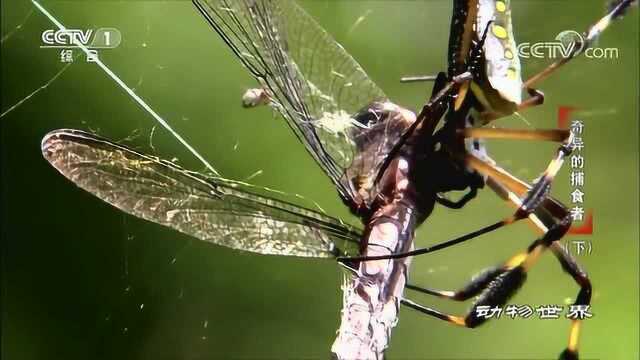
(309, 78)
(210, 209)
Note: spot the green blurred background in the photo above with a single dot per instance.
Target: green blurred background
(80, 280)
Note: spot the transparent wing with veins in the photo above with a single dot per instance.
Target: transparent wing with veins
(215, 210)
(311, 80)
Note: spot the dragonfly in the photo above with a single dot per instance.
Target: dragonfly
(344, 120)
(390, 166)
